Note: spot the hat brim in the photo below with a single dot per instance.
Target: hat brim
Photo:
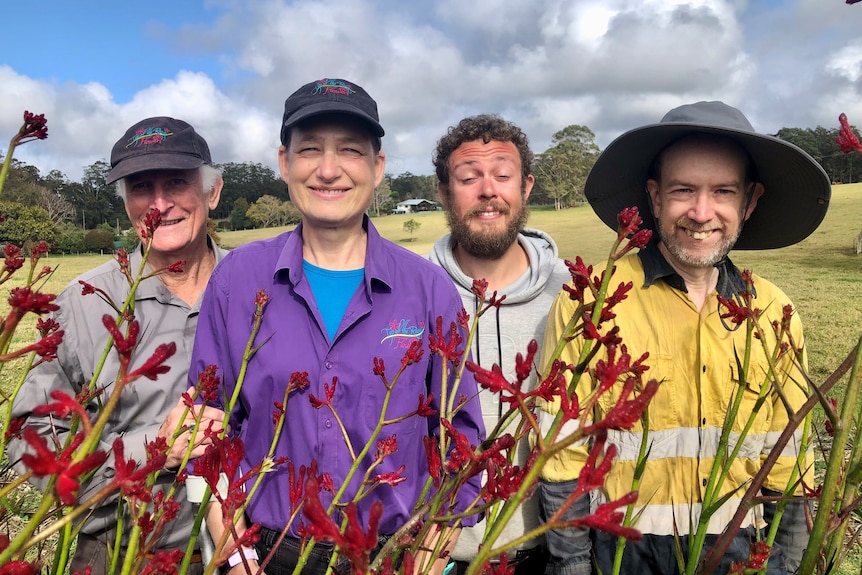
(153, 161)
(332, 107)
(797, 189)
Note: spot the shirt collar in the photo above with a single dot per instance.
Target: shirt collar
(656, 267)
(376, 265)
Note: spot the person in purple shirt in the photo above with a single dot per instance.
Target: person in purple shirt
(339, 296)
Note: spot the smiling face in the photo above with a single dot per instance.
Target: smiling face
(331, 169)
(485, 199)
(184, 207)
(700, 200)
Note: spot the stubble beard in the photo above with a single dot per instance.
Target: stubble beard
(680, 253)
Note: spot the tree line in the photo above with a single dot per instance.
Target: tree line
(87, 215)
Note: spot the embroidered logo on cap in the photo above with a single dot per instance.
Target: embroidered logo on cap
(149, 136)
(327, 86)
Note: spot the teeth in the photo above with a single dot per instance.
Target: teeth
(699, 235)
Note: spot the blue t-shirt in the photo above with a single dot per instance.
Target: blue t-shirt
(332, 291)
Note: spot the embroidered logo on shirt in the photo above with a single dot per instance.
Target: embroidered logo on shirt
(148, 136)
(401, 333)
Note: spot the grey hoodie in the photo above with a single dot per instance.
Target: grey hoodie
(500, 335)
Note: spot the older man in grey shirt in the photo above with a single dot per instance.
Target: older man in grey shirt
(159, 163)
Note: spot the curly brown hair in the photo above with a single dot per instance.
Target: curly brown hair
(485, 127)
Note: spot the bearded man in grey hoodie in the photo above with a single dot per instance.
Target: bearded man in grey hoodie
(483, 167)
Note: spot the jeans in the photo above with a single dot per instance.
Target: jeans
(569, 548)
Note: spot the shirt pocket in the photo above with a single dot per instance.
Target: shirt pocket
(755, 413)
(663, 410)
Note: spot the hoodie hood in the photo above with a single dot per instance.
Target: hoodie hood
(541, 252)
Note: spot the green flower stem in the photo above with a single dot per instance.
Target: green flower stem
(636, 483)
(4, 171)
(720, 463)
(834, 479)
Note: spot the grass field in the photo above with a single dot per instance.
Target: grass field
(822, 275)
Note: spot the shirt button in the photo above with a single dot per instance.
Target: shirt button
(327, 364)
(704, 482)
(328, 423)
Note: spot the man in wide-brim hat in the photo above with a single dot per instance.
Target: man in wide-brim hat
(705, 182)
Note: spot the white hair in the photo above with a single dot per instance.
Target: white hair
(208, 174)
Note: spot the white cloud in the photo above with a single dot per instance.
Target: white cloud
(608, 64)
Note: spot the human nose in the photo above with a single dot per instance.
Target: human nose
(701, 209)
(161, 198)
(329, 168)
(488, 189)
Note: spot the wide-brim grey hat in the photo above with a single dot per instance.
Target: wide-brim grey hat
(797, 189)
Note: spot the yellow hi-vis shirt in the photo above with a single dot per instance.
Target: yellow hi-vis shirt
(691, 354)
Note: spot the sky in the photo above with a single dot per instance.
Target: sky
(94, 67)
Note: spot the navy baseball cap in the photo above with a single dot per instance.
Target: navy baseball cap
(329, 96)
(159, 143)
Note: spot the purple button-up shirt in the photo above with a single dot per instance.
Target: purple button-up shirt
(398, 301)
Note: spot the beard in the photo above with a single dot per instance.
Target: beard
(486, 243)
(676, 249)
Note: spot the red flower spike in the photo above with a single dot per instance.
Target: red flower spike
(154, 366)
(63, 407)
(152, 220)
(500, 568)
(413, 354)
(392, 478)
(46, 326)
(260, 299)
(847, 140)
(480, 286)
(208, 384)
(432, 455)
(387, 446)
(24, 299)
(295, 484)
(425, 409)
(131, 479)
(629, 221)
(177, 267)
(317, 403)
(20, 568)
(164, 562)
(278, 412)
(379, 367)
(524, 365)
(464, 319)
(35, 127)
(14, 261)
(16, 424)
(448, 350)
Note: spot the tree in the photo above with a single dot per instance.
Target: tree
(250, 181)
(239, 219)
(562, 169)
(408, 186)
(70, 239)
(22, 224)
(382, 199)
(820, 145)
(99, 240)
(410, 226)
(269, 211)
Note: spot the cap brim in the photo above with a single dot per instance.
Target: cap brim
(153, 161)
(797, 189)
(330, 107)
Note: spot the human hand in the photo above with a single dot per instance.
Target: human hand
(173, 423)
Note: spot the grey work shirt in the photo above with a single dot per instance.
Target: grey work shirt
(144, 405)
